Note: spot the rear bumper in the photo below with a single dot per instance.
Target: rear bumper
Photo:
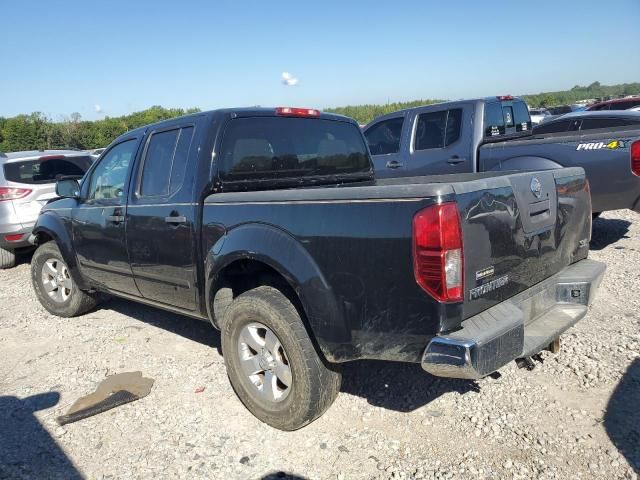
(18, 229)
(521, 326)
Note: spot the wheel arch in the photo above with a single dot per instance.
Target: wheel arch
(50, 227)
(526, 162)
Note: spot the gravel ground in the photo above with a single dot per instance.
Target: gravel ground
(576, 415)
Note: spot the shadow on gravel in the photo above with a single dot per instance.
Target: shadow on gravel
(282, 476)
(189, 328)
(606, 231)
(24, 256)
(402, 387)
(26, 448)
(622, 420)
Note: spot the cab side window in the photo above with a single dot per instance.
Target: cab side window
(438, 129)
(108, 178)
(165, 161)
(384, 137)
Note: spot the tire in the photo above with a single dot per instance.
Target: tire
(66, 299)
(7, 258)
(313, 386)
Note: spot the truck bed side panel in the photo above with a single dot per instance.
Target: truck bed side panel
(363, 255)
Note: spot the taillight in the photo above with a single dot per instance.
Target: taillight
(297, 112)
(10, 193)
(438, 258)
(505, 97)
(14, 237)
(635, 157)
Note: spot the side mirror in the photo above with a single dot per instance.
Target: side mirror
(68, 188)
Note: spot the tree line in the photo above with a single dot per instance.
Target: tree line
(37, 131)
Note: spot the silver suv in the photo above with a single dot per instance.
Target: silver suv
(27, 182)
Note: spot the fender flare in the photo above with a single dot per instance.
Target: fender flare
(287, 256)
(58, 229)
(526, 162)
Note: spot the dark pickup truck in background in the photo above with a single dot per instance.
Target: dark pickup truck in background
(495, 133)
(269, 224)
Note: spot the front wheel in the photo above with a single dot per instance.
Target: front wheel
(271, 362)
(54, 286)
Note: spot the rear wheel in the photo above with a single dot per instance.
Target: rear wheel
(7, 258)
(271, 362)
(54, 286)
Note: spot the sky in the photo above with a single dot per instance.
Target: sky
(116, 57)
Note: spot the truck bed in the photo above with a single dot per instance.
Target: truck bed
(351, 250)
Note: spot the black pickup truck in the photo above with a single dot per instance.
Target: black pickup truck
(269, 224)
(495, 133)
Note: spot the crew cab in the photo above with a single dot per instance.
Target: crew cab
(495, 133)
(269, 224)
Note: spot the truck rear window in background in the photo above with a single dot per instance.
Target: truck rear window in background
(502, 118)
(46, 169)
(274, 148)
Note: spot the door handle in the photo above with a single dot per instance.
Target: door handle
(455, 160)
(394, 164)
(115, 218)
(175, 220)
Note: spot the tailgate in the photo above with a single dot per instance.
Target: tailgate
(519, 229)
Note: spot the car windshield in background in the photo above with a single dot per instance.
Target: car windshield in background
(46, 169)
(282, 147)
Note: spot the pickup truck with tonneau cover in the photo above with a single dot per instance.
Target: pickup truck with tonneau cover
(495, 133)
(269, 223)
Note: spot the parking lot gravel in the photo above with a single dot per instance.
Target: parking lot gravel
(575, 415)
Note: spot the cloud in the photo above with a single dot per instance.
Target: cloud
(98, 108)
(288, 79)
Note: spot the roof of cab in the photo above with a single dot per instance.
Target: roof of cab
(449, 104)
(238, 112)
(31, 154)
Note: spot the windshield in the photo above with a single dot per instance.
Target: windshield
(285, 147)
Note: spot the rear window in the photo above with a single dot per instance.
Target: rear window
(493, 119)
(506, 117)
(280, 147)
(521, 117)
(46, 170)
(624, 105)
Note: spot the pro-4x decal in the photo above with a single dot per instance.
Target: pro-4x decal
(612, 145)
